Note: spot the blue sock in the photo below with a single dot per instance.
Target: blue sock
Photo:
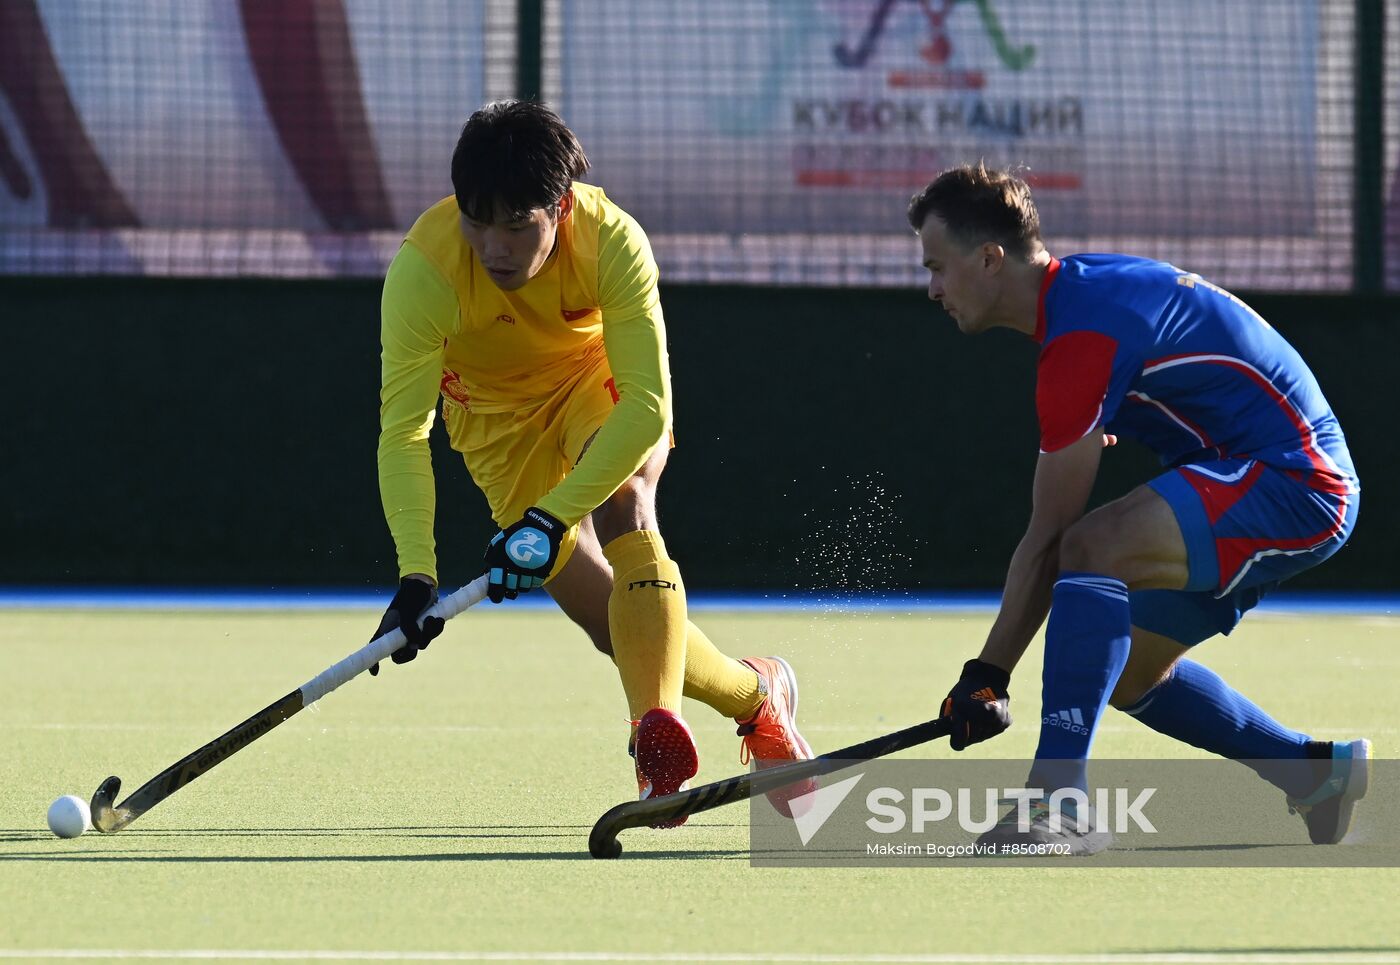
(1194, 705)
(1086, 647)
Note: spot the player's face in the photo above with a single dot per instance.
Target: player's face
(963, 281)
(514, 251)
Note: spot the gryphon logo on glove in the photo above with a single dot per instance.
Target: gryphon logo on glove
(528, 546)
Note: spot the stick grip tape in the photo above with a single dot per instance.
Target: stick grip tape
(380, 647)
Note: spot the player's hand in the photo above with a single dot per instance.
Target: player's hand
(521, 556)
(1109, 439)
(978, 704)
(405, 610)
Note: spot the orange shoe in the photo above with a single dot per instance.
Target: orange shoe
(666, 757)
(643, 785)
(771, 736)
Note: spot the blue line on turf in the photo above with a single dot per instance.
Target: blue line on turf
(233, 598)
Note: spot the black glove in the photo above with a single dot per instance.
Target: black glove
(978, 704)
(521, 556)
(405, 609)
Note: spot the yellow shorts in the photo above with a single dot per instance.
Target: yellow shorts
(516, 457)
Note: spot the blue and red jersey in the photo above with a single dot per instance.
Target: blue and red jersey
(1146, 351)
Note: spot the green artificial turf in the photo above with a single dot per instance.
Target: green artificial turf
(444, 807)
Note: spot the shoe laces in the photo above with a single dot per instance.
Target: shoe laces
(1038, 811)
(763, 730)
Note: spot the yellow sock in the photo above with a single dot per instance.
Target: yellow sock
(646, 616)
(724, 683)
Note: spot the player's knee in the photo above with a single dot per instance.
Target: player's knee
(1089, 547)
(635, 491)
(632, 507)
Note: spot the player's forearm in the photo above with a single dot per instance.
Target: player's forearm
(408, 495)
(627, 438)
(418, 313)
(1025, 601)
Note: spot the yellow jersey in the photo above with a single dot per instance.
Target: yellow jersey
(448, 330)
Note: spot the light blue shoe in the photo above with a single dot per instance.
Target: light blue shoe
(1327, 810)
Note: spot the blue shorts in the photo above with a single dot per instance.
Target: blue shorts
(1247, 527)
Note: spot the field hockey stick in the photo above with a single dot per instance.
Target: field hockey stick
(110, 818)
(603, 843)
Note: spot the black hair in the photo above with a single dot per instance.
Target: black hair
(514, 157)
(978, 205)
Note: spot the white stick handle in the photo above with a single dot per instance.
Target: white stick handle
(380, 647)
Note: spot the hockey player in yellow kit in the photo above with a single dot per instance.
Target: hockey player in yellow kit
(528, 302)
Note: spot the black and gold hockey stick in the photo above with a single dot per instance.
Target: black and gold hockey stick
(110, 817)
(603, 843)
